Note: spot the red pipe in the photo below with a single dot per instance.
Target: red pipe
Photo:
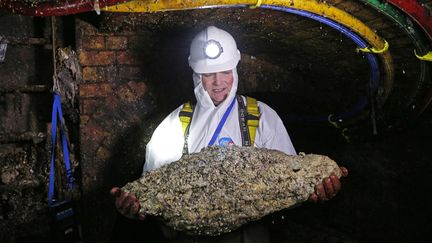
(54, 8)
(424, 19)
(411, 7)
(418, 12)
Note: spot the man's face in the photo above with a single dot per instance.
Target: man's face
(218, 85)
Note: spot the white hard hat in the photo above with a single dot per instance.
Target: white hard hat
(213, 50)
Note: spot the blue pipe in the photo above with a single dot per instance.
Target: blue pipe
(374, 80)
(373, 63)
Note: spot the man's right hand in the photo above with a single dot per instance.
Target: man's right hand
(127, 204)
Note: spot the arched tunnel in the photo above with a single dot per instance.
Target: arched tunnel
(350, 80)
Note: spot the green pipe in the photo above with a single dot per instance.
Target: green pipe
(401, 19)
(414, 33)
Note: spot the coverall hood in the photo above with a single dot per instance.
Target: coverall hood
(203, 98)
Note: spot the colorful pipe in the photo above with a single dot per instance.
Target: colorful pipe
(373, 63)
(77, 6)
(422, 45)
(417, 12)
(55, 8)
(313, 6)
(411, 7)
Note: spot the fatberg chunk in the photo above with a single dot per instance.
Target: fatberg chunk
(219, 189)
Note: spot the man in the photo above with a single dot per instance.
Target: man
(213, 58)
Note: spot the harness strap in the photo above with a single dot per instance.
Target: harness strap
(221, 123)
(248, 120)
(185, 116)
(253, 117)
(244, 131)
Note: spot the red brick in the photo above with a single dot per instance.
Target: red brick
(86, 28)
(93, 133)
(139, 88)
(88, 106)
(97, 58)
(95, 90)
(93, 74)
(103, 153)
(125, 94)
(111, 74)
(84, 119)
(129, 58)
(92, 42)
(112, 102)
(131, 72)
(116, 43)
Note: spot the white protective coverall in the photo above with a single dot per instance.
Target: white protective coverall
(166, 144)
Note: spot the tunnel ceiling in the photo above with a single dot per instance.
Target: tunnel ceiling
(312, 68)
(281, 53)
(316, 68)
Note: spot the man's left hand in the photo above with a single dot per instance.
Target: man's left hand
(329, 187)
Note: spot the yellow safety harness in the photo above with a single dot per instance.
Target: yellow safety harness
(248, 118)
(186, 116)
(253, 120)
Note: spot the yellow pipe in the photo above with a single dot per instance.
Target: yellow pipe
(313, 6)
(426, 57)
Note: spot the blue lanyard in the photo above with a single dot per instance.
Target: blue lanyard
(57, 112)
(221, 123)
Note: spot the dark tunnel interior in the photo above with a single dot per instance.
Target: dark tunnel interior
(120, 74)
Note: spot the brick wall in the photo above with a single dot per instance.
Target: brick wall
(115, 105)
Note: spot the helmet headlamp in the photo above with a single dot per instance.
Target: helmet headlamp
(212, 49)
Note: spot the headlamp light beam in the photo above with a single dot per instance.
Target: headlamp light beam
(213, 49)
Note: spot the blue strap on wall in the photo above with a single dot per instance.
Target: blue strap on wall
(57, 113)
(221, 123)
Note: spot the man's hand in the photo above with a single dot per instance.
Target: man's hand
(127, 204)
(329, 187)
